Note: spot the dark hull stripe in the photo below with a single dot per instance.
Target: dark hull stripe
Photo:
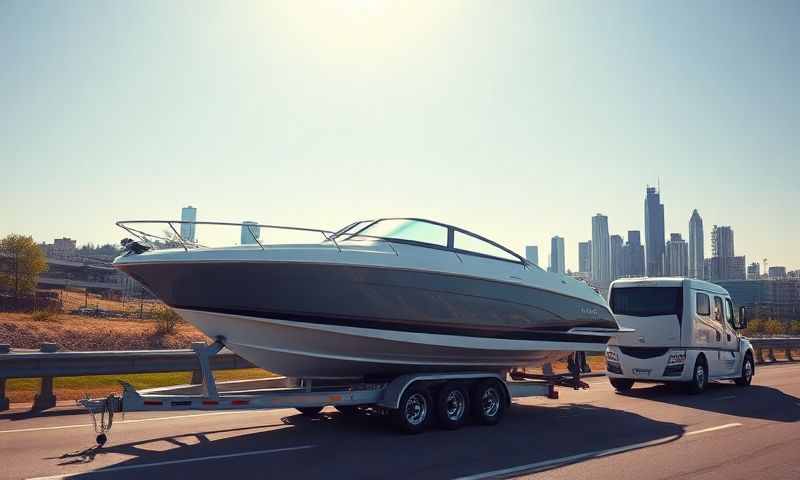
(380, 324)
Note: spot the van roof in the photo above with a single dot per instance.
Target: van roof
(668, 282)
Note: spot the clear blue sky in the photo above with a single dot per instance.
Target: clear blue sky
(518, 122)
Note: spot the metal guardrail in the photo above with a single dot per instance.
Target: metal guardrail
(49, 363)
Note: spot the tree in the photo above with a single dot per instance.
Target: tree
(24, 262)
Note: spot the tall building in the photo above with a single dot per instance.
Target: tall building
(251, 233)
(532, 254)
(585, 257)
(754, 271)
(776, 273)
(654, 232)
(696, 250)
(601, 261)
(722, 241)
(633, 255)
(557, 264)
(617, 261)
(188, 214)
(677, 256)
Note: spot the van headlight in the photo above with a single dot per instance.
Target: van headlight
(612, 356)
(676, 358)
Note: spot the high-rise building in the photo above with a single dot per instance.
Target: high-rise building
(677, 256)
(188, 214)
(601, 261)
(722, 241)
(654, 232)
(557, 263)
(532, 254)
(696, 250)
(251, 233)
(585, 257)
(633, 255)
(754, 271)
(617, 261)
(777, 273)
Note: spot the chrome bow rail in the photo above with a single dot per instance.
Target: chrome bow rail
(179, 241)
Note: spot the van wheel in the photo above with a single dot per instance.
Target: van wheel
(621, 384)
(747, 371)
(700, 376)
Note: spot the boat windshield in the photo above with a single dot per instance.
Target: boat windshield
(406, 229)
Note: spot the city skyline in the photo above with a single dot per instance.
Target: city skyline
(295, 114)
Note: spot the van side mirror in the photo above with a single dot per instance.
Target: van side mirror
(742, 319)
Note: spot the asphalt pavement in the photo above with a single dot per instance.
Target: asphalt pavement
(656, 431)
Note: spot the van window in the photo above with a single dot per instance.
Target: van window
(703, 305)
(729, 313)
(718, 310)
(647, 301)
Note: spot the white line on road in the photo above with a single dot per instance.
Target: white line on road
(556, 462)
(176, 462)
(714, 429)
(729, 397)
(138, 420)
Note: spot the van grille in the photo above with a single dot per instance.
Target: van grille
(644, 352)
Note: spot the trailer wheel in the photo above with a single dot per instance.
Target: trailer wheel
(309, 411)
(621, 384)
(452, 406)
(700, 377)
(488, 402)
(415, 410)
(747, 371)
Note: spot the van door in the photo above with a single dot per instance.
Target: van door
(730, 340)
(718, 365)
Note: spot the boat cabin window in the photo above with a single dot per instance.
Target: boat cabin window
(354, 227)
(469, 243)
(703, 305)
(404, 229)
(647, 301)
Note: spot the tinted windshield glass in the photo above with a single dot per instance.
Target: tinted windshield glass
(463, 241)
(647, 301)
(413, 230)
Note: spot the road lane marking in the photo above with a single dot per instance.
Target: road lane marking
(729, 397)
(137, 420)
(176, 462)
(714, 429)
(538, 466)
(557, 462)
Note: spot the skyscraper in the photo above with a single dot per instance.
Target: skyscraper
(696, 249)
(557, 264)
(532, 254)
(188, 214)
(722, 241)
(601, 261)
(654, 232)
(723, 265)
(754, 271)
(677, 256)
(250, 233)
(585, 257)
(617, 262)
(633, 255)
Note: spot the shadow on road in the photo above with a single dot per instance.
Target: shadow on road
(754, 401)
(361, 447)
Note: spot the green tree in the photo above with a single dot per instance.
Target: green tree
(23, 261)
(773, 327)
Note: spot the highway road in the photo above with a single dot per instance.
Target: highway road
(654, 432)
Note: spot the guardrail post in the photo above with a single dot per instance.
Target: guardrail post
(547, 369)
(45, 398)
(4, 403)
(789, 354)
(771, 356)
(760, 355)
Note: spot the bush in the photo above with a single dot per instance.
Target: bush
(43, 316)
(774, 327)
(754, 327)
(794, 328)
(166, 320)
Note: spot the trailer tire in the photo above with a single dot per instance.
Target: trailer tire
(621, 384)
(415, 410)
(699, 377)
(748, 369)
(452, 406)
(309, 411)
(488, 402)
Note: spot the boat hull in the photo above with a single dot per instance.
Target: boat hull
(310, 350)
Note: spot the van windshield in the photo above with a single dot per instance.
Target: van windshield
(647, 301)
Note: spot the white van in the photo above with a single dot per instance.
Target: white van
(685, 330)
